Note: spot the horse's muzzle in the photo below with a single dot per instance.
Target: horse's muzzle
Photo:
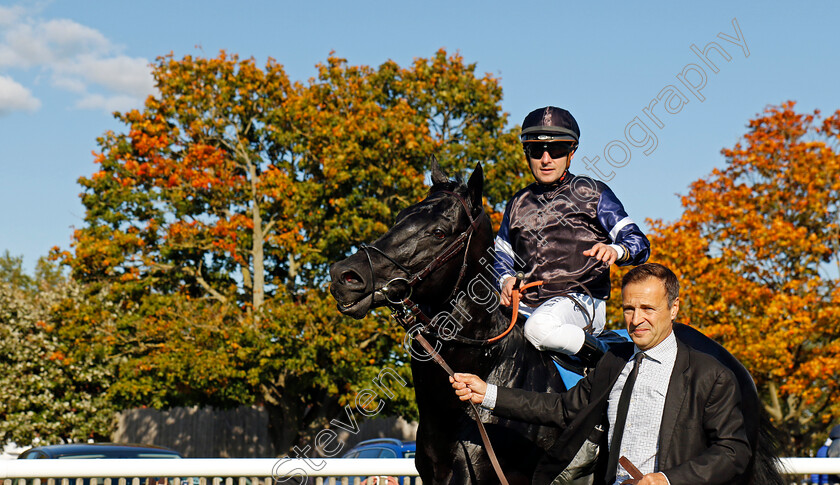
(350, 290)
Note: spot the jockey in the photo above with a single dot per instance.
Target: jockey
(565, 230)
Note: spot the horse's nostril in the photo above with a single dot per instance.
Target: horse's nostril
(351, 277)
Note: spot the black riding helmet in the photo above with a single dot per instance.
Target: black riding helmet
(550, 124)
(549, 128)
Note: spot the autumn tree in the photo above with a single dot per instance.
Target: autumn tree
(45, 393)
(757, 252)
(213, 218)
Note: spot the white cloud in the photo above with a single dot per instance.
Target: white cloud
(71, 84)
(23, 47)
(68, 38)
(10, 15)
(127, 75)
(35, 43)
(77, 59)
(14, 97)
(107, 103)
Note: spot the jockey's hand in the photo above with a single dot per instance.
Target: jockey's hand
(506, 297)
(601, 252)
(469, 387)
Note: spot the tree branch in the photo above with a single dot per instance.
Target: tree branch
(793, 408)
(775, 407)
(363, 345)
(195, 274)
(204, 284)
(268, 228)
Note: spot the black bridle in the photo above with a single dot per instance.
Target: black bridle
(406, 311)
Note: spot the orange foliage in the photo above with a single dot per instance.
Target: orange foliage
(212, 219)
(756, 250)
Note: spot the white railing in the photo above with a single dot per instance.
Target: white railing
(271, 471)
(201, 471)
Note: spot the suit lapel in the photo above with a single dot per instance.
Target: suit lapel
(674, 401)
(625, 352)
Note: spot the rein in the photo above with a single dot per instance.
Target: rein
(461, 242)
(406, 319)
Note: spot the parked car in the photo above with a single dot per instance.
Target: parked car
(98, 450)
(383, 448)
(103, 450)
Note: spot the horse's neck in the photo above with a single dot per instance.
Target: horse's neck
(475, 309)
(473, 306)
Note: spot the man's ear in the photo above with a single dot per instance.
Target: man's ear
(675, 308)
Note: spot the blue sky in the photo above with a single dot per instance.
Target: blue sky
(66, 65)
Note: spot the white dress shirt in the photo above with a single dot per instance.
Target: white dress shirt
(640, 441)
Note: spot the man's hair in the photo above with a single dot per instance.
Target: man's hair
(654, 270)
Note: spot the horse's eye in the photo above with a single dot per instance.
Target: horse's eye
(439, 234)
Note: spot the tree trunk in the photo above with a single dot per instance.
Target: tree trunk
(257, 256)
(292, 423)
(284, 421)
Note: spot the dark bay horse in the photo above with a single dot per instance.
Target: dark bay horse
(458, 294)
(439, 254)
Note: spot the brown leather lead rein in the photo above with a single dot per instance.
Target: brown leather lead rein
(410, 312)
(635, 474)
(406, 316)
(484, 437)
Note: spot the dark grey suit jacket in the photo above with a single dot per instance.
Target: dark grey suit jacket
(702, 439)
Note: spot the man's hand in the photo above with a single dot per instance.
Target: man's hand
(506, 297)
(601, 252)
(469, 387)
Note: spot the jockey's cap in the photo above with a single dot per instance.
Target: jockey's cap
(550, 124)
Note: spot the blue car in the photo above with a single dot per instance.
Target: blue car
(383, 448)
(76, 451)
(97, 450)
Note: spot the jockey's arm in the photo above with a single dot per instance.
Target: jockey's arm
(629, 243)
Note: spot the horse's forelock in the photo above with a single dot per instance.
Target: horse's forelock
(456, 185)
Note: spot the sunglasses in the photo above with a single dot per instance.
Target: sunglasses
(535, 150)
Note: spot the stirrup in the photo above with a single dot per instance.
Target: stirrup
(568, 362)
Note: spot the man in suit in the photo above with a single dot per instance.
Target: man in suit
(679, 421)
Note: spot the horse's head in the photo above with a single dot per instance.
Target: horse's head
(422, 255)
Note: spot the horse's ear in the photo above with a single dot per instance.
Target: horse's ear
(438, 176)
(475, 187)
